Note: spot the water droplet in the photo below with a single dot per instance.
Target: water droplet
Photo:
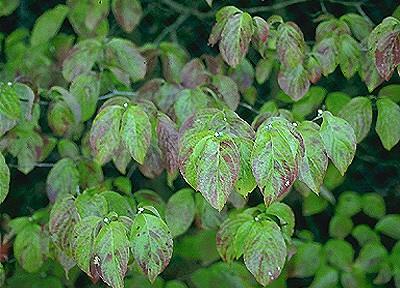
(217, 134)
(106, 220)
(320, 112)
(140, 210)
(125, 105)
(270, 274)
(256, 219)
(9, 83)
(96, 260)
(294, 124)
(287, 183)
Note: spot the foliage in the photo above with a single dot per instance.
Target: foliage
(128, 131)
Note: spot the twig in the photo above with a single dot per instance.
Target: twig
(276, 6)
(247, 106)
(173, 27)
(115, 93)
(182, 9)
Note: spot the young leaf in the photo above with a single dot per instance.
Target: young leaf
(105, 133)
(168, 135)
(180, 211)
(265, 252)
(339, 253)
(63, 179)
(339, 141)
(151, 244)
(326, 277)
(359, 25)
(4, 178)
(128, 13)
(136, 132)
(85, 232)
(358, 113)
(9, 101)
(236, 37)
(48, 24)
(28, 248)
(111, 249)
(373, 205)
(349, 204)
(276, 156)
(340, 226)
(390, 226)
(315, 161)
(222, 17)
(388, 122)
(294, 81)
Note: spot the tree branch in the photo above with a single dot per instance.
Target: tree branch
(173, 27)
(274, 7)
(182, 9)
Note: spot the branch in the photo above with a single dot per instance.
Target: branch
(182, 9)
(115, 93)
(247, 106)
(276, 6)
(173, 27)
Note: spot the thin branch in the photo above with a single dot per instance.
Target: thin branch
(247, 106)
(276, 6)
(182, 9)
(115, 93)
(173, 27)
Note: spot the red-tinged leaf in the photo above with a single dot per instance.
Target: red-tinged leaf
(359, 25)
(235, 38)
(294, 82)
(128, 13)
(331, 28)
(387, 54)
(325, 52)
(222, 17)
(290, 45)
(313, 68)
(243, 75)
(154, 163)
(261, 33)
(86, 89)
(315, 161)
(63, 218)
(63, 179)
(369, 74)
(112, 254)
(151, 244)
(265, 251)
(339, 141)
(194, 74)
(81, 59)
(168, 135)
(105, 133)
(277, 152)
(227, 89)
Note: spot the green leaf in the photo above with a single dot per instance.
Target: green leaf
(349, 204)
(28, 248)
(111, 249)
(4, 178)
(315, 161)
(173, 59)
(105, 133)
(227, 89)
(265, 252)
(63, 217)
(85, 232)
(222, 17)
(371, 257)
(340, 226)
(128, 13)
(388, 122)
(189, 102)
(339, 140)
(290, 45)
(136, 132)
(236, 37)
(8, 7)
(373, 205)
(390, 91)
(63, 179)
(151, 244)
(335, 101)
(309, 103)
(285, 215)
(389, 226)
(119, 204)
(339, 253)
(326, 277)
(307, 260)
(82, 58)
(86, 88)
(349, 55)
(364, 234)
(180, 211)
(122, 54)
(358, 113)
(90, 204)
(369, 74)
(359, 25)
(9, 101)
(313, 204)
(2, 275)
(264, 69)
(261, 33)
(276, 157)
(294, 81)
(48, 24)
